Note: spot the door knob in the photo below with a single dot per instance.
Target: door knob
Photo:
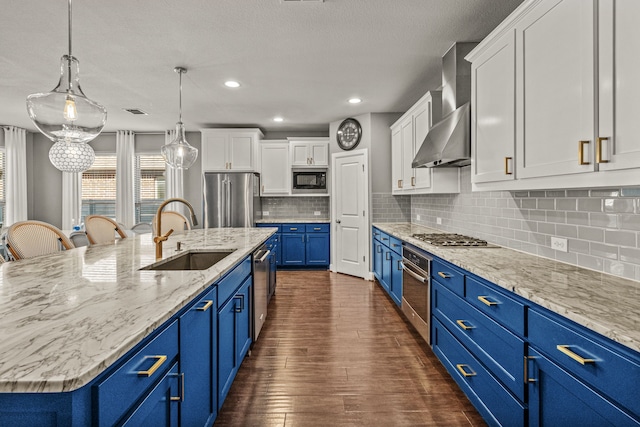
(338, 221)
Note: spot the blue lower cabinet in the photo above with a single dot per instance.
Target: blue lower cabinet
(198, 361)
(395, 288)
(160, 407)
(234, 337)
(557, 398)
(377, 259)
(317, 250)
(494, 402)
(293, 249)
(386, 268)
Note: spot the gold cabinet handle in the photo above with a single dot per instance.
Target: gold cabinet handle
(179, 398)
(463, 325)
(463, 371)
(564, 349)
(399, 183)
(154, 367)
(484, 300)
(206, 307)
(581, 145)
(413, 181)
(506, 165)
(528, 380)
(444, 275)
(599, 158)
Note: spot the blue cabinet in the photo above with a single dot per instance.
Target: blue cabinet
(234, 337)
(275, 240)
(387, 264)
(160, 407)
(302, 245)
(198, 361)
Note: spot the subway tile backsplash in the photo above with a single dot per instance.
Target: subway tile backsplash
(602, 226)
(295, 207)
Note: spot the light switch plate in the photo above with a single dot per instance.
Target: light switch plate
(417, 217)
(559, 244)
(317, 213)
(438, 220)
(265, 213)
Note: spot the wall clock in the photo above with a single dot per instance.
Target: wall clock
(349, 134)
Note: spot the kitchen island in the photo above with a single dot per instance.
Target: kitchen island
(67, 317)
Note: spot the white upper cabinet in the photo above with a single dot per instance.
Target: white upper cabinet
(493, 118)
(619, 85)
(230, 149)
(407, 135)
(275, 170)
(558, 77)
(313, 152)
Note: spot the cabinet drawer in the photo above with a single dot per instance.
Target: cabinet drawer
(500, 350)
(448, 275)
(293, 228)
(491, 399)
(496, 304)
(395, 245)
(615, 372)
(228, 285)
(120, 390)
(384, 238)
(376, 234)
(317, 228)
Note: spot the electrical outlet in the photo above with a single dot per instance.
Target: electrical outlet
(418, 217)
(317, 213)
(439, 221)
(265, 213)
(559, 244)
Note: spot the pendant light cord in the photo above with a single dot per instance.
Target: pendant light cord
(70, 54)
(180, 73)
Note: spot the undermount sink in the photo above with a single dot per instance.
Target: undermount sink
(191, 260)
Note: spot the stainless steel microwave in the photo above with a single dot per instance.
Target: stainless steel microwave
(309, 181)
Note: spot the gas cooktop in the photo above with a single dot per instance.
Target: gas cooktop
(452, 239)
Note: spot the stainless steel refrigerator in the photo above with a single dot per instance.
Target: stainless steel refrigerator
(231, 199)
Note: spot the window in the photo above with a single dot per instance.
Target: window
(150, 188)
(99, 187)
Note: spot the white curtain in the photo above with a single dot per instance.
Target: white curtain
(71, 199)
(15, 141)
(125, 177)
(173, 178)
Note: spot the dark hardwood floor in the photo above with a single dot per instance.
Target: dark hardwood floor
(335, 351)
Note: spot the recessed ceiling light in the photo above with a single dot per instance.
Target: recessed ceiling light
(232, 83)
(355, 101)
(278, 119)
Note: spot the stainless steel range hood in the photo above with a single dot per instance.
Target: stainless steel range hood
(448, 142)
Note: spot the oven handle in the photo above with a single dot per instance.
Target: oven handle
(413, 274)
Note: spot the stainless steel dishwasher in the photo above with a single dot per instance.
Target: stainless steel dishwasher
(260, 289)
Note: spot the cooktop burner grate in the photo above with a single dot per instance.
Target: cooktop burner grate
(450, 239)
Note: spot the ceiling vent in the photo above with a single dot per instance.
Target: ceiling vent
(136, 111)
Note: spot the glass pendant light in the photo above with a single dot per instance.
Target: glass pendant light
(179, 153)
(71, 156)
(66, 113)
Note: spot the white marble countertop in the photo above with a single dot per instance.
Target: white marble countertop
(293, 220)
(65, 317)
(607, 304)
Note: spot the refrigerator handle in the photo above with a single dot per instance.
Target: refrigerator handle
(228, 205)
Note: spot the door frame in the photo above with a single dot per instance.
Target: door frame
(366, 234)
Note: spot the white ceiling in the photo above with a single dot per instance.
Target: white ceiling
(300, 60)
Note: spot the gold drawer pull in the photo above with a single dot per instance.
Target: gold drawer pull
(463, 371)
(463, 325)
(506, 165)
(413, 181)
(581, 145)
(152, 369)
(565, 350)
(181, 397)
(484, 300)
(399, 183)
(206, 306)
(444, 275)
(599, 150)
(317, 229)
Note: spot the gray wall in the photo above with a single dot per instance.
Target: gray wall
(602, 226)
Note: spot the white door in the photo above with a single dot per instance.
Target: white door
(241, 152)
(275, 170)
(396, 160)
(350, 199)
(319, 154)
(408, 180)
(421, 126)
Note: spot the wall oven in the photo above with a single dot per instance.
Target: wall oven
(309, 181)
(416, 268)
